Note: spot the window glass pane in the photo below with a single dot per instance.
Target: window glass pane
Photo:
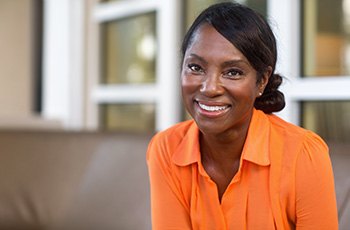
(329, 119)
(194, 7)
(130, 117)
(128, 50)
(326, 37)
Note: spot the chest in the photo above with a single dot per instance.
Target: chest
(244, 204)
(221, 176)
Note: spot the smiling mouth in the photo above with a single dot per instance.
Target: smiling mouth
(212, 108)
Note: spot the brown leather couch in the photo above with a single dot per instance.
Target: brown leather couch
(89, 180)
(73, 180)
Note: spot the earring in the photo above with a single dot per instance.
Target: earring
(260, 93)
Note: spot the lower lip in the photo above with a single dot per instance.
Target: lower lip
(211, 114)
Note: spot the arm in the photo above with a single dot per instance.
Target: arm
(315, 193)
(169, 210)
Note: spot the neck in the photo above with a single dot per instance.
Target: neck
(225, 148)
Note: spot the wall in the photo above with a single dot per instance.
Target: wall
(15, 58)
(20, 66)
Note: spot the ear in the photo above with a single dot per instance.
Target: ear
(265, 79)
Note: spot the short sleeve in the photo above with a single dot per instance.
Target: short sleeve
(315, 191)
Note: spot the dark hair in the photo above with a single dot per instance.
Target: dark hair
(250, 33)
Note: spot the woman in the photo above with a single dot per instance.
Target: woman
(236, 165)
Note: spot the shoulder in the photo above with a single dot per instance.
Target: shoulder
(297, 136)
(291, 143)
(172, 135)
(165, 142)
(284, 127)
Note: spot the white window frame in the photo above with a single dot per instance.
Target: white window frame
(285, 18)
(63, 62)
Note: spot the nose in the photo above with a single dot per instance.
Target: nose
(212, 86)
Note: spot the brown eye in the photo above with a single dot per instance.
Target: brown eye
(195, 68)
(233, 73)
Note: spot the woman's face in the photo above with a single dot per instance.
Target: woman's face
(219, 86)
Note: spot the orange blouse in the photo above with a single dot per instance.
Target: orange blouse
(284, 181)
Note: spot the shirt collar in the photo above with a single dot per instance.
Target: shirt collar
(256, 147)
(188, 151)
(255, 150)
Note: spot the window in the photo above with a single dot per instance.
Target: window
(128, 117)
(326, 38)
(128, 57)
(137, 86)
(326, 59)
(129, 50)
(329, 119)
(194, 7)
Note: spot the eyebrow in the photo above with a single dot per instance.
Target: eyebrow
(192, 55)
(233, 62)
(226, 63)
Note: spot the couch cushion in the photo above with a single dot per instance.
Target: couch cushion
(73, 180)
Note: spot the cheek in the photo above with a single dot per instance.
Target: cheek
(189, 89)
(185, 87)
(246, 92)
(189, 84)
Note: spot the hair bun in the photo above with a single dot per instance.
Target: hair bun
(272, 100)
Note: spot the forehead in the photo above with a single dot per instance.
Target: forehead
(207, 41)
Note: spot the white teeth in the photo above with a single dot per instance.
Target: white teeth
(212, 108)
